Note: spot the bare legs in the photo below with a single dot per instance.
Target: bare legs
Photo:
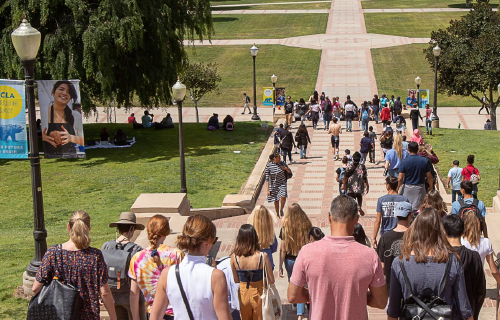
(278, 207)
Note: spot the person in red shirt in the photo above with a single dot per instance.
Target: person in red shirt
(131, 119)
(385, 116)
(468, 171)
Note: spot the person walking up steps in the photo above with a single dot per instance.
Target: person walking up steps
(356, 181)
(343, 276)
(302, 138)
(366, 145)
(247, 104)
(372, 135)
(335, 131)
(349, 113)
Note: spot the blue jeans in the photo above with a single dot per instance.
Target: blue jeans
(393, 173)
(375, 117)
(364, 124)
(363, 157)
(303, 151)
(301, 307)
(286, 152)
(454, 194)
(428, 126)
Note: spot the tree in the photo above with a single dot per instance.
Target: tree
(200, 79)
(469, 64)
(120, 49)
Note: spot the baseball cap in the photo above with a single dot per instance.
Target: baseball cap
(402, 209)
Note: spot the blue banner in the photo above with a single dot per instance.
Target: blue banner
(13, 137)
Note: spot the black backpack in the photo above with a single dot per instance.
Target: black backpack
(425, 305)
(474, 206)
(118, 260)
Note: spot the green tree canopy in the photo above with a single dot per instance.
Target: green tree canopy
(119, 49)
(200, 79)
(469, 64)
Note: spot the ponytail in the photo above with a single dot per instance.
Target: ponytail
(79, 223)
(158, 227)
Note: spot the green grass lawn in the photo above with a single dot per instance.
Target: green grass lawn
(414, 25)
(392, 4)
(109, 181)
(396, 68)
(267, 26)
(292, 6)
(476, 142)
(228, 2)
(296, 68)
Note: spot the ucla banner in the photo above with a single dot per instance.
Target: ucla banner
(61, 115)
(412, 98)
(267, 97)
(13, 138)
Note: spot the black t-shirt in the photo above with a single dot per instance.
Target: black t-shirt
(414, 114)
(475, 281)
(389, 247)
(289, 107)
(104, 136)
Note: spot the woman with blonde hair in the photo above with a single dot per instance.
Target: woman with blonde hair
(431, 267)
(294, 235)
(434, 200)
(146, 266)
(263, 222)
(75, 262)
(472, 240)
(394, 156)
(194, 289)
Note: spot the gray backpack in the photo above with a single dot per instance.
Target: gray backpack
(118, 260)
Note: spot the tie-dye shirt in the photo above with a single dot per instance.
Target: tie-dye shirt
(145, 271)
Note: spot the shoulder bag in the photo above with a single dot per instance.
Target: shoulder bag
(183, 293)
(271, 301)
(57, 300)
(427, 309)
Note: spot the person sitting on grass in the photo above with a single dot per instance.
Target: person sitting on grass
(213, 122)
(147, 120)
(120, 138)
(167, 122)
(228, 123)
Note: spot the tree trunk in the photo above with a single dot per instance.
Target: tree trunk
(196, 108)
(493, 116)
(493, 111)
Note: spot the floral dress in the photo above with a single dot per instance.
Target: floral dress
(85, 269)
(356, 177)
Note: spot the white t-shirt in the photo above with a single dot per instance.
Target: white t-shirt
(484, 249)
(315, 108)
(349, 107)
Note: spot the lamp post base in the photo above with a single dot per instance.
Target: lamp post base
(435, 123)
(28, 283)
(255, 116)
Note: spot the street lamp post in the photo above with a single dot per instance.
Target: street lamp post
(436, 51)
(26, 41)
(418, 81)
(499, 170)
(254, 50)
(274, 78)
(179, 92)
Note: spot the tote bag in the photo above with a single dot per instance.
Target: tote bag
(56, 300)
(271, 302)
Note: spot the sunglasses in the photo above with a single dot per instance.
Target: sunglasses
(216, 238)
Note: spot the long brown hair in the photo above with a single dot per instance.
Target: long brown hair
(472, 228)
(247, 241)
(426, 237)
(263, 223)
(434, 200)
(296, 226)
(79, 224)
(197, 230)
(158, 227)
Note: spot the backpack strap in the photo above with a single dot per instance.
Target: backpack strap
(446, 275)
(475, 202)
(405, 276)
(183, 293)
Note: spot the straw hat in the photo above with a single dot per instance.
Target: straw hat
(127, 218)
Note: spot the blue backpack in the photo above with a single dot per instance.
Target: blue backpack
(364, 115)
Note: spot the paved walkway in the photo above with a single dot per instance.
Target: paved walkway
(267, 4)
(271, 11)
(410, 10)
